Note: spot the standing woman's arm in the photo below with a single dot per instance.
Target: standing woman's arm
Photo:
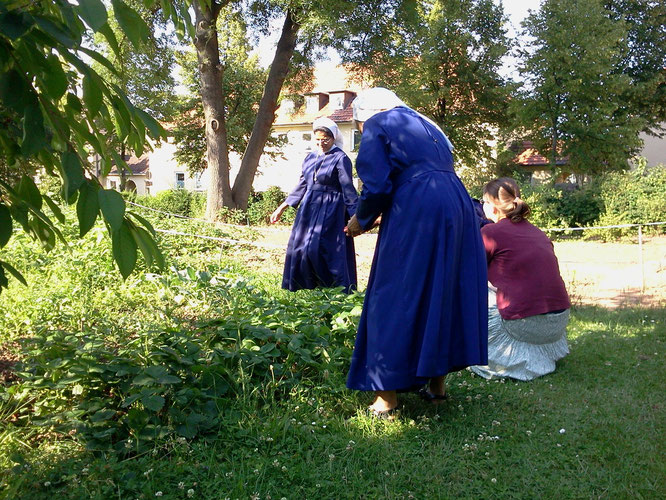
(294, 198)
(374, 169)
(349, 194)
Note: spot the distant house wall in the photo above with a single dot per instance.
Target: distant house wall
(654, 149)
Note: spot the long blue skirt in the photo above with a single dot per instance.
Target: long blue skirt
(319, 253)
(425, 312)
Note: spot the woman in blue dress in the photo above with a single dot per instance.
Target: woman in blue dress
(425, 312)
(319, 254)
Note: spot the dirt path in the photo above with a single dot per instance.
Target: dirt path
(606, 274)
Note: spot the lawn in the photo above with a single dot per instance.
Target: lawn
(208, 381)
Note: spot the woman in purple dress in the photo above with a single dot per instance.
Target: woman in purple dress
(425, 311)
(319, 254)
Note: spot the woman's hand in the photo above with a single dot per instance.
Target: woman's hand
(275, 216)
(353, 228)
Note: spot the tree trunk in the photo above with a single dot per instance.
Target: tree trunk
(266, 113)
(212, 97)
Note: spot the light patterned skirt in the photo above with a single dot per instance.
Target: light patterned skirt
(526, 348)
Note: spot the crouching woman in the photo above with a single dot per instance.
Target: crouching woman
(528, 302)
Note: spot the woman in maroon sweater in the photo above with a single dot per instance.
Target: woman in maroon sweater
(528, 302)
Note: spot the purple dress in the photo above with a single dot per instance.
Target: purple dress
(425, 312)
(319, 254)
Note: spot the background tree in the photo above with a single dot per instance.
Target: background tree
(644, 61)
(572, 102)
(242, 86)
(55, 110)
(443, 59)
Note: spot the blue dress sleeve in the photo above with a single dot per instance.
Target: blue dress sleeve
(349, 194)
(298, 192)
(374, 169)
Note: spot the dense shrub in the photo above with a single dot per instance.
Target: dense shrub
(637, 196)
(175, 201)
(262, 205)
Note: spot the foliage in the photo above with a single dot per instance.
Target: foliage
(573, 103)
(144, 72)
(643, 62)
(242, 84)
(263, 204)
(633, 197)
(441, 58)
(55, 111)
(174, 201)
(125, 364)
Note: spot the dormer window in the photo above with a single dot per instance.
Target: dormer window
(288, 105)
(312, 103)
(337, 101)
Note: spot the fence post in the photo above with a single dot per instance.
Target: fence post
(640, 256)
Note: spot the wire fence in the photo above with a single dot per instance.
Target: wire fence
(602, 267)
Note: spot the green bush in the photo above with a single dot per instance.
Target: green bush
(262, 205)
(633, 197)
(175, 201)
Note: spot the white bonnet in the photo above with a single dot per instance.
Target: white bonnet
(332, 126)
(372, 101)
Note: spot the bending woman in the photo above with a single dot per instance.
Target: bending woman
(425, 308)
(319, 254)
(528, 304)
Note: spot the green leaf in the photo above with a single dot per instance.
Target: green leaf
(131, 23)
(14, 272)
(143, 221)
(5, 225)
(74, 103)
(28, 192)
(4, 282)
(124, 249)
(54, 208)
(153, 402)
(93, 13)
(34, 135)
(14, 90)
(72, 174)
(113, 207)
(87, 208)
(55, 80)
(143, 245)
(59, 32)
(92, 95)
(14, 25)
(102, 415)
(156, 130)
(111, 38)
(142, 379)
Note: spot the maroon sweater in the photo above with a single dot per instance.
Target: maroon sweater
(523, 267)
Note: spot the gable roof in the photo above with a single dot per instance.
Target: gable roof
(138, 166)
(328, 79)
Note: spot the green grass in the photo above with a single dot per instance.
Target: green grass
(593, 429)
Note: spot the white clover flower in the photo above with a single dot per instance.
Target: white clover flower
(562, 431)
(190, 493)
(158, 493)
(493, 480)
(529, 433)
(496, 422)
(47, 484)
(284, 469)
(181, 485)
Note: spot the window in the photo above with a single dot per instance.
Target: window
(180, 180)
(113, 184)
(312, 103)
(337, 101)
(356, 140)
(288, 105)
(197, 181)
